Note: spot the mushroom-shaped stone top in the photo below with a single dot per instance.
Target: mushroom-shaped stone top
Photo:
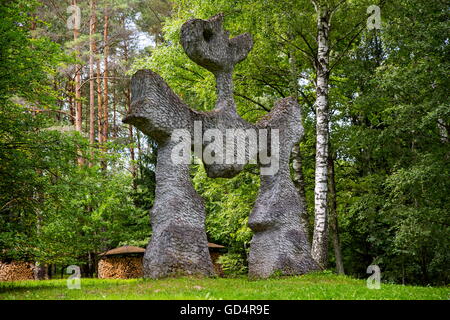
(208, 44)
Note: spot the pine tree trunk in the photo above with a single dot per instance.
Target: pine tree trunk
(58, 100)
(105, 77)
(99, 105)
(70, 88)
(320, 237)
(130, 134)
(114, 130)
(139, 154)
(333, 220)
(78, 108)
(92, 50)
(132, 156)
(130, 127)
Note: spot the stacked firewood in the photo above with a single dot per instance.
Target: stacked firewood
(120, 268)
(16, 270)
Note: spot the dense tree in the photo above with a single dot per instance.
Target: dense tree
(58, 211)
(395, 209)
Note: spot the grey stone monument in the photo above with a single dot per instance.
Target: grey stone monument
(179, 243)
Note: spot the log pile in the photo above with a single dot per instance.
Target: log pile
(120, 267)
(16, 271)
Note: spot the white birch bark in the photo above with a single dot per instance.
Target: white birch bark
(320, 236)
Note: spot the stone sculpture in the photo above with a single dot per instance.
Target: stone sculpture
(179, 243)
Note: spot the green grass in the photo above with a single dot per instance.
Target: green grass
(311, 286)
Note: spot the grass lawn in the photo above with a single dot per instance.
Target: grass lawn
(311, 286)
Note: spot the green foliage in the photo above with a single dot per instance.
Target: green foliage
(393, 134)
(92, 213)
(145, 183)
(233, 264)
(150, 16)
(26, 62)
(228, 203)
(51, 209)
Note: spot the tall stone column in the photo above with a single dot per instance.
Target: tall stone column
(280, 243)
(179, 244)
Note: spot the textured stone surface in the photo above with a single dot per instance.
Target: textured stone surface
(179, 244)
(207, 44)
(280, 242)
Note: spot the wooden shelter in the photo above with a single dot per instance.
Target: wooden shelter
(121, 263)
(127, 262)
(124, 251)
(215, 251)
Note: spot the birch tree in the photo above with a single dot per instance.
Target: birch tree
(320, 236)
(323, 67)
